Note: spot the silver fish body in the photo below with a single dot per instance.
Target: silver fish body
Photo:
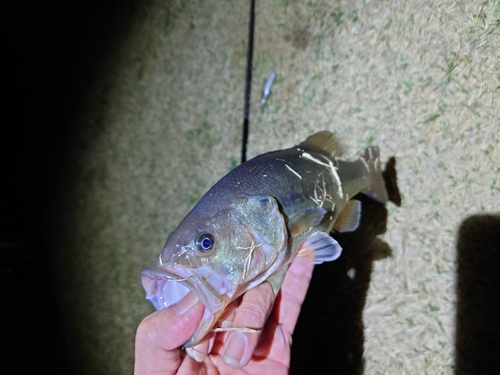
(252, 223)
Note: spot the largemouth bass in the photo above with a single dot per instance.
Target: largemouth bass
(257, 219)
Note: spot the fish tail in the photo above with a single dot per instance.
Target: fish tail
(376, 189)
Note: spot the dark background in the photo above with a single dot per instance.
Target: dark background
(51, 54)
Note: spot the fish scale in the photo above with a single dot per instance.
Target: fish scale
(268, 174)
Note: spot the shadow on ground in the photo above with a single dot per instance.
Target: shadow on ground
(329, 334)
(477, 345)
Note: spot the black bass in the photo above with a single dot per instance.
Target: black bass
(257, 219)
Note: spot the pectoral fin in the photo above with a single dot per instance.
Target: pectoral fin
(305, 220)
(319, 247)
(349, 218)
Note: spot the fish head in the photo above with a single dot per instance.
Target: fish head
(217, 254)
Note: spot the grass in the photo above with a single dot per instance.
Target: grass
(420, 80)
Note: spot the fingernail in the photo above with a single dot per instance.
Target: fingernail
(186, 303)
(195, 354)
(235, 348)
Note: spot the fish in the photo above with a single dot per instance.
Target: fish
(278, 207)
(267, 90)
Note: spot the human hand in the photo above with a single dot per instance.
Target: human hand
(265, 351)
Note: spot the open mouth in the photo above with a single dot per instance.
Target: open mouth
(163, 288)
(166, 286)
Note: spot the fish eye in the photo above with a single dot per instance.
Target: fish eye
(205, 242)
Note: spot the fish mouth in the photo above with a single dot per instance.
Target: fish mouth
(167, 285)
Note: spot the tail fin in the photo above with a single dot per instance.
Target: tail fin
(376, 190)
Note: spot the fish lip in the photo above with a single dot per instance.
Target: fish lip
(154, 279)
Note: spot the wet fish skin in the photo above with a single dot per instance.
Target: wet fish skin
(257, 219)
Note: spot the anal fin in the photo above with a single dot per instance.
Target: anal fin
(349, 218)
(321, 246)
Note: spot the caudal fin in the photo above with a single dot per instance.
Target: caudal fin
(376, 190)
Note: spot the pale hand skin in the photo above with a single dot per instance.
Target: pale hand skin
(266, 351)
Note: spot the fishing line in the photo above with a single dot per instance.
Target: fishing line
(248, 82)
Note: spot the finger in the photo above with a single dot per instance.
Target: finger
(276, 338)
(293, 292)
(227, 318)
(204, 347)
(253, 311)
(200, 351)
(160, 335)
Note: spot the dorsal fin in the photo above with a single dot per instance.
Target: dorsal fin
(323, 141)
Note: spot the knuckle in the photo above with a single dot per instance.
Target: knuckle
(252, 315)
(147, 330)
(256, 306)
